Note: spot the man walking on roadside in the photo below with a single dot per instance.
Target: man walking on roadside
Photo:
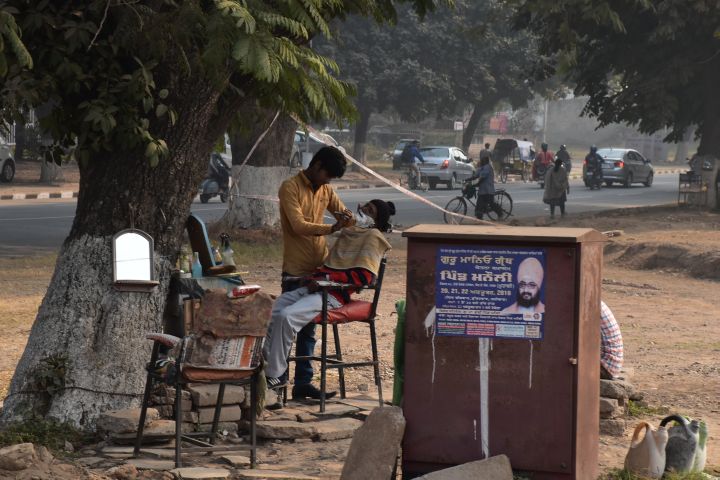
(304, 199)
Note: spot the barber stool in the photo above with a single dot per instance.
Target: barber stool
(354, 311)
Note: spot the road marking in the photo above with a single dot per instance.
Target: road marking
(35, 218)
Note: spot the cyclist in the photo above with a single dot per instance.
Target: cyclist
(411, 156)
(543, 160)
(484, 179)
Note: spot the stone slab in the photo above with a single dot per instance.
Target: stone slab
(284, 429)
(124, 421)
(614, 427)
(335, 410)
(272, 475)
(206, 395)
(17, 457)
(362, 403)
(116, 449)
(159, 452)
(228, 413)
(237, 461)
(200, 473)
(493, 468)
(375, 445)
(609, 408)
(90, 461)
(151, 464)
(336, 429)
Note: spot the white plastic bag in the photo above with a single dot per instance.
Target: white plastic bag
(646, 456)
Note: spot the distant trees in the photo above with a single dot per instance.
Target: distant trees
(650, 63)
(466, 57)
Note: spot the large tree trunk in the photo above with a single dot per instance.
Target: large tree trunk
(681, 153)
(471, 126)
(361, 131)
(709, 154)
(87, 350)
(253, 199)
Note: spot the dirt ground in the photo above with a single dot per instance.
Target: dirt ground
(661, 279)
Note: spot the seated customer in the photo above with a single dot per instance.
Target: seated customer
(353, 259)
(611, 344)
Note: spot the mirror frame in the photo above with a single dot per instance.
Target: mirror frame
(135, 285)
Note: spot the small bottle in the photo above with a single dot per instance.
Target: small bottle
(197, 271)
(184, 260)
(216, 255)
(228, 256)
(227, 252)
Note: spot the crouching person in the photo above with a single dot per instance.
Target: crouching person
(354, 259)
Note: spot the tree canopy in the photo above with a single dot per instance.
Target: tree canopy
(109, 67)
(650, 63)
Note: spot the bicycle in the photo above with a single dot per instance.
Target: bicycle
(413, 182)
(502, 200)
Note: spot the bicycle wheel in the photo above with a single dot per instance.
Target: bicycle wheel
(455, 205)
(502, 208)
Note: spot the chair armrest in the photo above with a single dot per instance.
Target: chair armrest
(337, 286)
(164, 338)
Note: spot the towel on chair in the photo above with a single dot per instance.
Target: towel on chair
(358, 248)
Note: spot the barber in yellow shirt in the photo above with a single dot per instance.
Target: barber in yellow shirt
(304, 199)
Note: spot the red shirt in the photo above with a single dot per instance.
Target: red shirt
(545, 158)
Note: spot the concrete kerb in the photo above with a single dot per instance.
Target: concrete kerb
(60, 195)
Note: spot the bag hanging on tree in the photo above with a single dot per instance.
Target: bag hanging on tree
(646, 456)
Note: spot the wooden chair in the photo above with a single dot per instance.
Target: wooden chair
(354, 311)
(180, 378)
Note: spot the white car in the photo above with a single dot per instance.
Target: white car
(7, 164)
(306, 146)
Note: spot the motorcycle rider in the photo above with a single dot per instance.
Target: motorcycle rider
(593, 168)
(544, 158)
(564, 156)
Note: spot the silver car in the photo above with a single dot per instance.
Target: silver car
(448, 165)
(625, 166)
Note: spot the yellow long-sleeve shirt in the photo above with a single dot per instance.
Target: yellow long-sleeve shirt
(301, 218)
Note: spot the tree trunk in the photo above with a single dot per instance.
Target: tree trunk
(87, 349)
(253, 199)
(709, 156)
(361, 131)
(50, 172)
(681, 153)
(471, 126)
(20, 141)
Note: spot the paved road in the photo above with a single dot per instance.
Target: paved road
(38, 226)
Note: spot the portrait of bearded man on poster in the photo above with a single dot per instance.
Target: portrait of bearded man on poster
(530, 276)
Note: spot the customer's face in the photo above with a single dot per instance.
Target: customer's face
(370, 210)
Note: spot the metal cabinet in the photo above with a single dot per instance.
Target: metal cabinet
(535, 400)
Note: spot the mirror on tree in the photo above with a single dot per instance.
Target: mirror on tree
(133, 261)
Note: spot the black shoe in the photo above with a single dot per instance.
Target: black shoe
(301, 392)
(275, 383)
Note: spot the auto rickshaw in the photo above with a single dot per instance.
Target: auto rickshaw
(513, 157)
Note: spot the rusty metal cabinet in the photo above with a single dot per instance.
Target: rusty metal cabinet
(540, 401)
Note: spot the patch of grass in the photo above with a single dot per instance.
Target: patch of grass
(618, 474)
(48, 433)
(637, 410)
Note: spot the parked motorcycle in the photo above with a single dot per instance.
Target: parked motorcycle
(217, 181)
